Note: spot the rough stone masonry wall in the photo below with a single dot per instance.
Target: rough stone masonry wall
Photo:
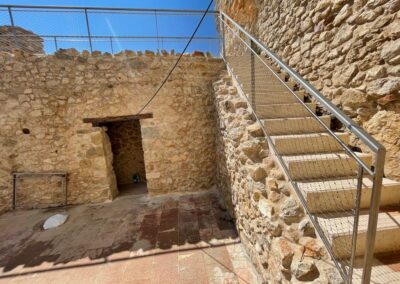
(126, 144)
(43, 100)
(348, 49)
(272, 225)
(24, 40)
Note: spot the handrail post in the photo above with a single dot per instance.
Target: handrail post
(13, 27)
(356, 211)
(88, 30)
(55, 43)
(223, 34)
(252, 76)
(373, 214)
(111, 45)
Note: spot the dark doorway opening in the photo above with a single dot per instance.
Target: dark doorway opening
(128, 156)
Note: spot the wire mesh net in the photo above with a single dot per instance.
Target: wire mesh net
(45, 30)
(326, 172)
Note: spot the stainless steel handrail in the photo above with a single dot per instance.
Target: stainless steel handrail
(345, 147)
(370, 141)
(367, 139)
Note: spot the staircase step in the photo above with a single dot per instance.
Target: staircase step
(339, 229)
(308, 143)
(301, 125)
(276, 97)
(331, 165)
(337, 195)
(267, 88)
(284, 110)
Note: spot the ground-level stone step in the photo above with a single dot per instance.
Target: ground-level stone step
(331, 195)
(308, 143)
(339, 228)
(301, 125)
(330, 165)
(284, 110)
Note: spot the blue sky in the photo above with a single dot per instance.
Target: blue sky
(106, 24)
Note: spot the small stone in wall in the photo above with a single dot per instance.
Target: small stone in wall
(274, 196)
(269, 163)
(305, 270)
(284, 251)
(388, 99)
(290, 211)
(274, 228)
(197, 53)
(306, 227)
(311, 247)
(255, 130)
(390, 49)
(257, 195)
(234, 104)
(266, 208)
(272, 184)
(250, 149)
(257, 173)
(277, 173)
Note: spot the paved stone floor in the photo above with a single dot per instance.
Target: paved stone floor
(134, 239)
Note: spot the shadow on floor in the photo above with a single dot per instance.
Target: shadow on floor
(131, 225)
(132, 189)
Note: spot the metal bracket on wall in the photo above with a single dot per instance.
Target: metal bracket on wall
(17, 175)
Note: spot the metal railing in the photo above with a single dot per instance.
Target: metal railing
(263, 78)
(102, 29)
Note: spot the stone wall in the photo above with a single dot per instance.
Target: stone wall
(270, 220)
(349, 50)
(43, 100)
(126, 144)
(24, 40)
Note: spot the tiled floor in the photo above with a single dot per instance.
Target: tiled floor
(134, 239)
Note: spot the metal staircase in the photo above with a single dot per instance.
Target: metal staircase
(340, 188)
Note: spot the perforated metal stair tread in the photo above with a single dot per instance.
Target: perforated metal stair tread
(296, 144)
(339, 228)
(331, 195)
(298, 125)
(325, 156)
(267, 111)
(267, 97)
(329, 165)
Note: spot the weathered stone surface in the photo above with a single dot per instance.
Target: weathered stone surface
(42, 108)
(290, 211)
(27, 40)
(272, 184)
(390, 49)
(305, 270)
(385, 126)
(336, 45)
(257, 194)
(284, 251)
(255, 130)
(257, 172)
(306, 227)
(266, 208)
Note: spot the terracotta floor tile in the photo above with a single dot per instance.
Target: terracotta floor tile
(134, 239)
